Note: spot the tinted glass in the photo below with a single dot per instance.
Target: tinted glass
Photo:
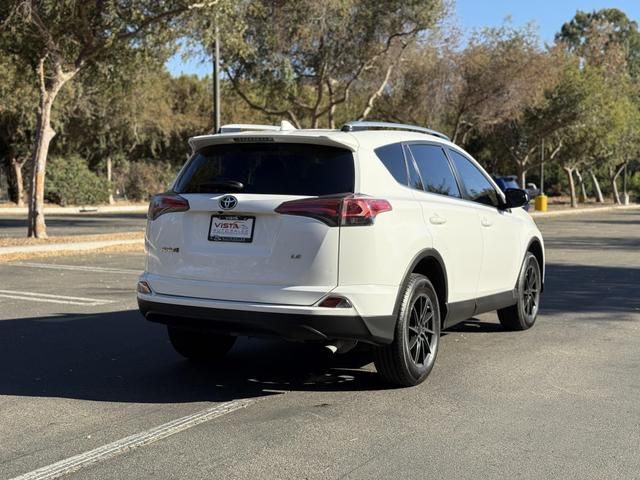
(414, 176)
(393, 159)
(475, 183)
(269, 168)
(436, 173)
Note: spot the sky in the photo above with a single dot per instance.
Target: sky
(547, 15)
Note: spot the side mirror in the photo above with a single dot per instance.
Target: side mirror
(515, 198)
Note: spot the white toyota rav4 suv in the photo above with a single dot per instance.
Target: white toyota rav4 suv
(379, 233)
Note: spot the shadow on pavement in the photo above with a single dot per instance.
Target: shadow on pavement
(593, 243)
(607, 291)
(119, 357)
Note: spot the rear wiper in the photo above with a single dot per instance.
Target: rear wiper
(223, 185)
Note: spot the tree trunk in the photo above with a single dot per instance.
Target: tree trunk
(111, 201)
(583, 191)
(44, 134)
(16, 167)
(522, 175)
(572, 187)
(596, 187)
(614, 184)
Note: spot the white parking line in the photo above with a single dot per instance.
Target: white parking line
(80, 268)
(126, 444)
(49, 298)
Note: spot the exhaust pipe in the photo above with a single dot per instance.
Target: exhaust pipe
(341, 346)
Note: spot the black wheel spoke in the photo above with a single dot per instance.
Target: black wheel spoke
(427, 344)
(420, 333)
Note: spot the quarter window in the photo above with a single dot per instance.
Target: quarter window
(435, 170)
(393, 158)
(475, 183)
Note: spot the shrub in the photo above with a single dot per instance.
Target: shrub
(143, 179)
(70, 182)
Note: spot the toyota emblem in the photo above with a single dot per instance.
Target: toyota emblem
(228, 202)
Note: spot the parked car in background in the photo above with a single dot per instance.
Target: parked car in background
(379, 233)
(511, 181)
(532, 190)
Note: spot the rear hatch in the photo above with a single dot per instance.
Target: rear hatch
(230, 244)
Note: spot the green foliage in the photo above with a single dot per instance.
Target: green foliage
(599, 35)
(143, 179)
(72, 183)
(300, 59)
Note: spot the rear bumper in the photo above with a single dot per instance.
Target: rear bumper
(288, 322)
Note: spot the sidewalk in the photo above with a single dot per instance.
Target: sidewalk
(54, 210)
(20, 249)
(556, 212)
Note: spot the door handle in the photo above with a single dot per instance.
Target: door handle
(486, 222)
(437, 220)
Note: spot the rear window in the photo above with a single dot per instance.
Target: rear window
(269, 168)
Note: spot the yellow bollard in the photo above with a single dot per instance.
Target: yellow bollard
(541, 203)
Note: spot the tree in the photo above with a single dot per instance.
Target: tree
(599, 36)
(302, 60)
(17, 121)
(600, 127)
(500, 73)
(59, 39)
(517, 140)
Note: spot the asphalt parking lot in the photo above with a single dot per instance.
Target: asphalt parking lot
(81, 370)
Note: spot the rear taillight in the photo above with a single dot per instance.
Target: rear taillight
(335, 211)
(166, 203)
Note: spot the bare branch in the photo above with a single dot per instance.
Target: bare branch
(385, 81)
(288, 112)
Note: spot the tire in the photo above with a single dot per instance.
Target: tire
(523, 314)
(199, 346)
(418, 323)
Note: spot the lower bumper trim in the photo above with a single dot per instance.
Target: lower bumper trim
(291, 326)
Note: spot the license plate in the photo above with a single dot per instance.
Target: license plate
(231, 228)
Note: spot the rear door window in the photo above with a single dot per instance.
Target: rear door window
(269, 168)
(435, 170)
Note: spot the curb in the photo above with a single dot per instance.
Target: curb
(78, 210)
(576, 211)
(66, 247)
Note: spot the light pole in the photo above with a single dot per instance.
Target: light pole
(542, 168)
(216, 78)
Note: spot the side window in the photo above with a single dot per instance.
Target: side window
(393, 158)
(475, 183)
(435, 170)
(414, 176)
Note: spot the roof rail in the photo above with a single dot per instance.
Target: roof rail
(249, 127)
(357, 126)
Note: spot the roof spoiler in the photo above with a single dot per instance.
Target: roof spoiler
(249, 127)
